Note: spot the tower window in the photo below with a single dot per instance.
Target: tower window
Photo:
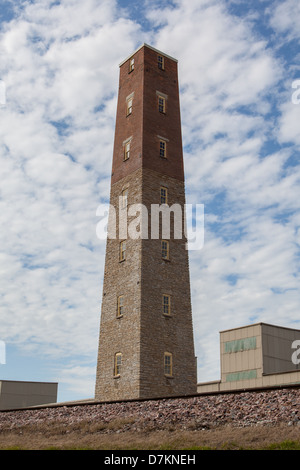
(168, 364)
(127, 150)
(131, 65)
(160, 62)
(163, 195)
(166, 304)
(120, 309)
(165, 249)
(129, 102)
(117, 364)
(122, 250)
(163, 148)
(161, 104)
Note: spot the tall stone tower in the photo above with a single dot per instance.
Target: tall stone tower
(146, 345)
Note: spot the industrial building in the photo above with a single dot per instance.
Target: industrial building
(19, 394)
(257, 356)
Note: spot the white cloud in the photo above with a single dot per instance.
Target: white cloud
(285, 17)
(288, 127)
(78, 379)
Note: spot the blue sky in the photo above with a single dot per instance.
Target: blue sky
(59, 62)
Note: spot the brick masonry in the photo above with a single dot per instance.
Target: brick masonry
(143, 333)
(145, 123)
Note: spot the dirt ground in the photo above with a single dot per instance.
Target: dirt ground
(114, 437)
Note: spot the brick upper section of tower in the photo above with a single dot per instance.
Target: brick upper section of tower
(146, 126)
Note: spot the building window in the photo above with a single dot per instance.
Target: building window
(129, 102)
(161, 104)
(131, 65)
(124, 198)
(120, 309)
(160, 62)
(168, 364)
(127, 150)
(166, 304)
(117, 364)
(122, 250)
(165, 249)
(163, 148)
(163, 195)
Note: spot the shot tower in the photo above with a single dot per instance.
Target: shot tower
(146, 345)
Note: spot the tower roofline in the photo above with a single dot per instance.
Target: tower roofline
(149, 47)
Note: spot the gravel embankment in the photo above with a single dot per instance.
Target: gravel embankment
(239, 410)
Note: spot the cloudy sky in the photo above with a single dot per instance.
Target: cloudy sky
(59, 66)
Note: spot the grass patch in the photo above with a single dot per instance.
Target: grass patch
(119, 435)
(285, 445)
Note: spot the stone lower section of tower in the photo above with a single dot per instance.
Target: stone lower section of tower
(144, 334)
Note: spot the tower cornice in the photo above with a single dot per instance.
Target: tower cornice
(149, 47)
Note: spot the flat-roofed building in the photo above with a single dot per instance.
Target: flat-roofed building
(255, 356)
(18, 394)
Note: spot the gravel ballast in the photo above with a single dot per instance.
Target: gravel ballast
(269, 407)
